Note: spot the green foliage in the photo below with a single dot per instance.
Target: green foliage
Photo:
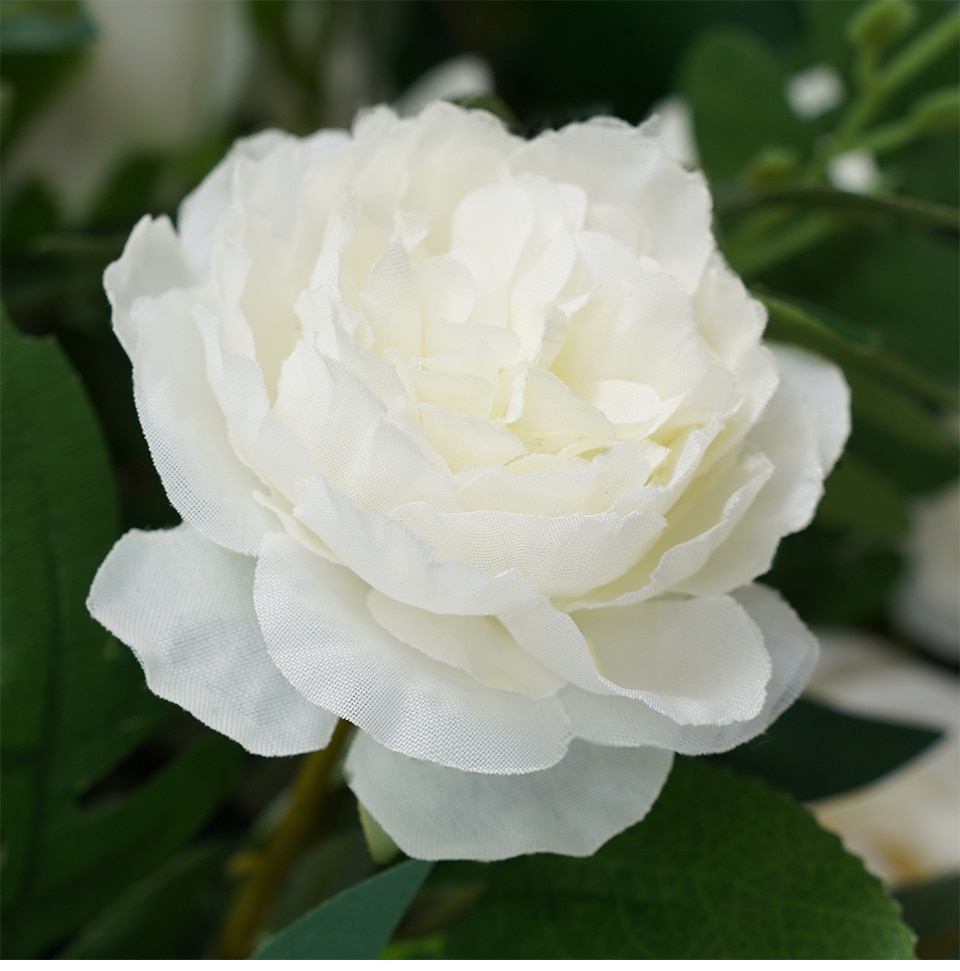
(722, 867)
(734, 85)
(42, 43)
(355, 924)
(790, 754)
(933, 911)
(157, 917)
(73, 702)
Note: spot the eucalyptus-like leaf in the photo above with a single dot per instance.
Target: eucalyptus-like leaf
(355, 924)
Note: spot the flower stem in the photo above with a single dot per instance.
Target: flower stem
(255, 899)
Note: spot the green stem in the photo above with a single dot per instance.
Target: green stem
(929, 47)
(778, 248)
(255, 900)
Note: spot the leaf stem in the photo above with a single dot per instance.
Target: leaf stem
(255, 900)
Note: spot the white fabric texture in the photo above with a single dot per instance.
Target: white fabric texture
(478, 447)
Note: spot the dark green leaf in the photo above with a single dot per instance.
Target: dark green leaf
(735, 88)
(861, 497)
(791, 755)
(73, 701)
(834, 578)
(851, 346)
(723, 867)
(355, 924)
(933, 911)
(156, 917)
(42, 42)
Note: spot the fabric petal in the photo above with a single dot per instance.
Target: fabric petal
(185, 608)
(152, 263)
(321, 634)
(623, 721)
(204, 478)
(573, 808)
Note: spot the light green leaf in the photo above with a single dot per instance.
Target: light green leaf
(355, 924)
(72, 702)
(723, 867)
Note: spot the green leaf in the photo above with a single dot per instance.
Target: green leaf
(734, 84)
(51, 25)
(861, 497)
(158, 916)
(723, 867)
(72, 701)
(932, 909)
(355, 924)
(851, 346)
(870, 208)
(790, 755)
(42, 43)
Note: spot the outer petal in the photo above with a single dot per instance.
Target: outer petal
(573, 808)
(623, 721)
(185, 608)
(185, 428)
(322, 636)
(802, 432)
(152, 263)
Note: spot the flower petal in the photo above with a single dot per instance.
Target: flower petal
(436, 813)
(624, 721)
(322, 636)
(185, 428)
(185, 608)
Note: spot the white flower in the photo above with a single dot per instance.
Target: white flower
(904, 826)
(477, 446)
(855, 171)
(158, 75)
(927, 604)
(814, 91)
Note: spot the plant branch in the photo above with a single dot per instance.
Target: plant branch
(256, 898)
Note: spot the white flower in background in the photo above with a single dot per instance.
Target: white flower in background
(159, 74)
(927, 605)
(477, 446)
(904, 826)
(467, 76)
(855, 171)
(814, 91)
(676, 130)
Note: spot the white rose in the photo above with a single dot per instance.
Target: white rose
(476, 446)
(158, 75)
(927, 601)
(903, 826)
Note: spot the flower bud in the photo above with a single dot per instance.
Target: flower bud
(874, 27)
(938, 111)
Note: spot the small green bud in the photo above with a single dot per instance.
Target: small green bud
(875, 26)
(938, 111)
(772, 164)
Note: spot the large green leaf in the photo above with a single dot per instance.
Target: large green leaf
(790, 755)
(723, 867)
(355, 924)
(158, 916)
(734, 85)
(73, 701)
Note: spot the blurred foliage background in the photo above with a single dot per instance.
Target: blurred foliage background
(120, 814)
